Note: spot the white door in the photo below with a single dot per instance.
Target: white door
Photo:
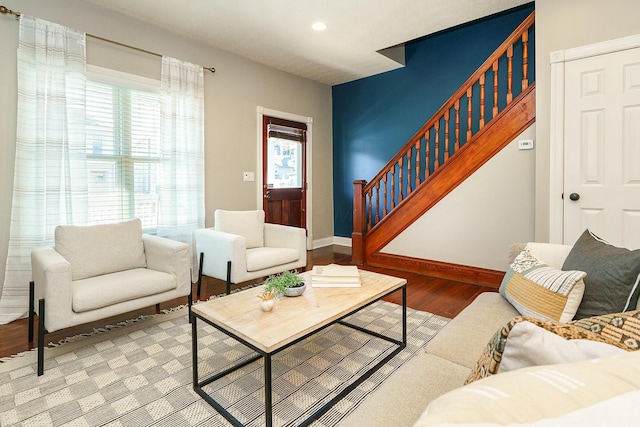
(602, 148)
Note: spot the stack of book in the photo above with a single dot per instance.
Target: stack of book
(335, 276)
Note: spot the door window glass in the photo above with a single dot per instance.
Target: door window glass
(284, 163)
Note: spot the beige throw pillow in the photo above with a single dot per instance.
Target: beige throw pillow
(599, 392)
(530, 345)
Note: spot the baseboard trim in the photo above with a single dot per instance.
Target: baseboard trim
(333, 240)
(445, 270)
(321, 243)
(342, 241)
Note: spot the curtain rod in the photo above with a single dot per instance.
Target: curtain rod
(5, 10)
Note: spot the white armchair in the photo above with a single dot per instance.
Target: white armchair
(101, 271)
(241, 247)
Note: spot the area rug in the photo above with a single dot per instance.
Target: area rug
(140, 374)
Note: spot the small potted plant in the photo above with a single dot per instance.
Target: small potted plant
(267, 298)
(287, 283)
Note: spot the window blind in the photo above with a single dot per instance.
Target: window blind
(123, 153)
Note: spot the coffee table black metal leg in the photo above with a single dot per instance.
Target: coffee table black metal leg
(268, 396)
(404, 315)
(194, 351)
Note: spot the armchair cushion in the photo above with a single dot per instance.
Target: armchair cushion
(101, 249)
(263, 258)
(106, 290)
(249, 224)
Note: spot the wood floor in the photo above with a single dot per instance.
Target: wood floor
(440, 296)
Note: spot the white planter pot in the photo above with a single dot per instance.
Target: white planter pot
(266, 304)
(295, 292)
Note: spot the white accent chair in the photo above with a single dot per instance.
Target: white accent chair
(96, 272)
(241, 247)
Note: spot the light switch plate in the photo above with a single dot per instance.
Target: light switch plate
(248, 176)
(525, 144)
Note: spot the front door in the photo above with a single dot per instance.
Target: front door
(284, 172)
(602, 148)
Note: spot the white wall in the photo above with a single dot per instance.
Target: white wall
(231, 97)
(562, 25)
(476, 223)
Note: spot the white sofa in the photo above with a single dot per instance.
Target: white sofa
(446, 361)
(96, 272)
(242, 247)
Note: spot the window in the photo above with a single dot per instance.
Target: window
(123, 147)
(284, 155)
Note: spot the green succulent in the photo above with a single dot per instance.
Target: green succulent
(276, 284)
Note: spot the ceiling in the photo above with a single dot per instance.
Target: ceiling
(278, 32)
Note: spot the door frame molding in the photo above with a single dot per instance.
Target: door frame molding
(556, 135)
(261, 112)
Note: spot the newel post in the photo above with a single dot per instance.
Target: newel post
(359, 223)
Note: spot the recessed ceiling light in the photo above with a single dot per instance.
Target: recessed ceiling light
(319, 26)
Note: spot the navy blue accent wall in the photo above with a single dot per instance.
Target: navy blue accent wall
(375, 116)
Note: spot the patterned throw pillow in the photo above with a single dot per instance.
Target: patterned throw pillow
(538, 290)
(489, 362)
(623, 328)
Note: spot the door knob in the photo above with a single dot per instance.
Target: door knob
(267, 196)
(574, 196)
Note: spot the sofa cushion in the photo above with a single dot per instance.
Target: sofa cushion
(536, 289)
(403, 395)
(101, 249)
(249, 224)
(612, 276)
(603, 392)
(464, 338)
(263, 258)
(109, 289)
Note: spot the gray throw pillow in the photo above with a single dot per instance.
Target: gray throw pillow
(611, 284)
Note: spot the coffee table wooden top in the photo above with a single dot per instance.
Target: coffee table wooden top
(292, 317)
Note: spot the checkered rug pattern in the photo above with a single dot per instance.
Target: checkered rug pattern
(140, 374)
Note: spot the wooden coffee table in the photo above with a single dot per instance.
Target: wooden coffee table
(293, 318)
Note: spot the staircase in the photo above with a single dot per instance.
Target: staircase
(483, 116)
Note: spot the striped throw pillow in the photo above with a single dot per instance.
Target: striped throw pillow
(538, 290)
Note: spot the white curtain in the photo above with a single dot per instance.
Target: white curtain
(181, 196)
(50, 178)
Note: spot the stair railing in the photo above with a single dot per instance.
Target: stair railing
(456, 122)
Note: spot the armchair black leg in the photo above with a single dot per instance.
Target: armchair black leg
(190, 296)
(190, 302)
(228, 277)
(200, 274)
(41, 333)
(31, 309)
